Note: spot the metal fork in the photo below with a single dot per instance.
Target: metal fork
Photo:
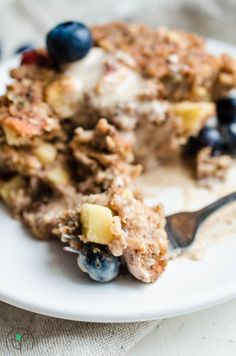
(182, 227)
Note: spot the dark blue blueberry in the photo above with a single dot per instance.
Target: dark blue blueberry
(226, 110)
(207, 137)
(98, 263)
(229, 134)
(68, 42)
(192, 146)
(24, 48)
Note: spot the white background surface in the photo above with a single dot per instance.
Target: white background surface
(207, 333)
(210, 332)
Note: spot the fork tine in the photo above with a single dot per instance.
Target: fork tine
(71, 249)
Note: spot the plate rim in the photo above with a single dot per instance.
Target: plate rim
(216, 297)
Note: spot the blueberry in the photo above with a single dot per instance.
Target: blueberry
(226, 110)
(192, 146)
(24, 48)
(207, 137)
(68, 42)
(98, 263)
(229, 134)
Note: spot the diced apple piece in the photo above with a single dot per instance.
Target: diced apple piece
(127, 194)
(58, 175)
(96, 223)
(46, 153)
(63, 95)
(193, 114)
(7, 188)
(12, 138)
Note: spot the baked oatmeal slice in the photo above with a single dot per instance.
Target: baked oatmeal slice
(61, 165)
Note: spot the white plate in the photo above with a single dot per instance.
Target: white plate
(40, 277)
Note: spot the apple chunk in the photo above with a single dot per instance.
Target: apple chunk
(193, 114)
(96, 223)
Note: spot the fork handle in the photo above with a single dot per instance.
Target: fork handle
(205, 212)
